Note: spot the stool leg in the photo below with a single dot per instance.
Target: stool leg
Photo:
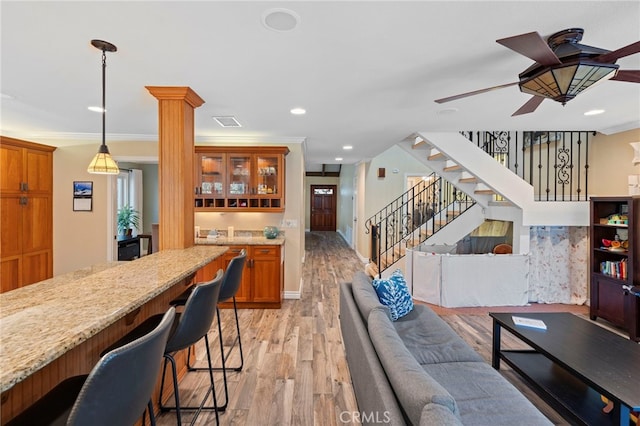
(224, 370)
(235, 310)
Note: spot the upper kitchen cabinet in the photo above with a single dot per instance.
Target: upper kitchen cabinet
(26, 208)
(240, 178)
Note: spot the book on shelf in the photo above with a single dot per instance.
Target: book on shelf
(616, 269)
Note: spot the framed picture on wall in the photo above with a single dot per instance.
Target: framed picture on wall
(82, 196)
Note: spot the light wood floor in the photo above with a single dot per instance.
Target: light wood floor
(295, 369)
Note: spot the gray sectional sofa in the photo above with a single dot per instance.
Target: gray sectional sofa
(418, 371)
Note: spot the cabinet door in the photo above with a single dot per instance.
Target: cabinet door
(36, 266)
(212, 173)
(269, 174)
(244, 292)
(239, 175)
(11, 168)
(608, 299)
(39, 171)
(11, 272)
(265, 270)
(37, 224)
(10, 227)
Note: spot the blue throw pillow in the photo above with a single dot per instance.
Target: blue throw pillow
(394, 293)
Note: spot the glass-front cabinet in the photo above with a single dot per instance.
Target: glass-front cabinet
(240, 178)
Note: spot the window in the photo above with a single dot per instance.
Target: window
(323, 191)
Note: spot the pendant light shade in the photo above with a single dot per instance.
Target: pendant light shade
(102, 163)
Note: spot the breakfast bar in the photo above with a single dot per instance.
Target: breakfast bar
(57, 328)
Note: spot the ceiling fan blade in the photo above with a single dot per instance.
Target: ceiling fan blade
(475, 92)
(627, 75)
(532, 46)
(619, 53)
(529, 106)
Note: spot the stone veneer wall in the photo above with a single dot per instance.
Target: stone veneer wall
(559, 264)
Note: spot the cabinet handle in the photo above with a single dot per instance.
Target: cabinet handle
(24, 186)
(264, 251)
(23, 201)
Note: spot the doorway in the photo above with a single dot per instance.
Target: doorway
(323, 207)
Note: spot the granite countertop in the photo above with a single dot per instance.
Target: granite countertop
(241, 238)
(42, 321)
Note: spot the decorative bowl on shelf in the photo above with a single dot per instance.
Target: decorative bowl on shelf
(270, 232)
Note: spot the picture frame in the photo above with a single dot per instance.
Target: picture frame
(82, 196)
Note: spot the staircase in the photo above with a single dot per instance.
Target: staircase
(479, 188)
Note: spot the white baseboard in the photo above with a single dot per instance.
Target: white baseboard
(294, 294)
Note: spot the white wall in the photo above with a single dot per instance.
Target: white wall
(610, 163)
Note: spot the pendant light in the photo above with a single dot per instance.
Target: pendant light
(102, 163)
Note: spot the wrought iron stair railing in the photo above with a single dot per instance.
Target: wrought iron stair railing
(412, 218)
(555, 163)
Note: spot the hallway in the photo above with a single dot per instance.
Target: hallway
(295, 369)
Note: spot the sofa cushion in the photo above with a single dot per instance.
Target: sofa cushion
(365, 295)
(414, 388)
(436, 414)
(394, 293)
(483, 396)
(431, 340)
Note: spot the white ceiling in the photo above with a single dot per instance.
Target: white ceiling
(366, 72)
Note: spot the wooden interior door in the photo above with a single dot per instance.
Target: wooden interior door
(323, 207)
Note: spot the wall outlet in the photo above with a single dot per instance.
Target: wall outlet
(288, 223)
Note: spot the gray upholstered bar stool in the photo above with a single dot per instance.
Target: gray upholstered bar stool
(116, 392)
(191, 326)
(230, 286)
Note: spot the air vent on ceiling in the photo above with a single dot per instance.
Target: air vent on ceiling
(227, 121)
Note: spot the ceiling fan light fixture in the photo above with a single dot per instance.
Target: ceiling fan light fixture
(564, 82)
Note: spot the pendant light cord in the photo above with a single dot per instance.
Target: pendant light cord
(104, 110)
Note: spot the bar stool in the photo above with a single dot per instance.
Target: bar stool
(116, 392)
(230, 286)
(192, 324)
(149, 239)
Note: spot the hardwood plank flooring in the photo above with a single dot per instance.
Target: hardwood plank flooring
(295, 369)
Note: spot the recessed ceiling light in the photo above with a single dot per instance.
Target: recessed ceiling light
(95, 108)
(280, 20)
(448, 111)
(594, 112)
(227, 121)
(338, 158)
(347, 147)
(298, 111)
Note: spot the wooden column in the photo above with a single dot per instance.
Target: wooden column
(176, 107)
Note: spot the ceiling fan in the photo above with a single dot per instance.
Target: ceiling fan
(563, 69)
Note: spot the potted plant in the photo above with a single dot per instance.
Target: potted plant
(128, 217)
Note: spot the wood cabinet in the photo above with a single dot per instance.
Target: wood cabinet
(239, 178)
(26, 208)
(615, 261)
(262, 279)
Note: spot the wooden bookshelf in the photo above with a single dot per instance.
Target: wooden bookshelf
(615, 270)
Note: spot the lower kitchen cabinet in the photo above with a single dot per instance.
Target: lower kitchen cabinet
(262, 280)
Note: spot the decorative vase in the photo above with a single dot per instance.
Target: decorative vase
(270, 232)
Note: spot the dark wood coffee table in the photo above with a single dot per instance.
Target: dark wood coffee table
(572, 363)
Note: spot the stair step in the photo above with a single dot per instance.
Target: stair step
(484, 191)
(436, 156)
(453, 168)
(419, 143)
(471, 179)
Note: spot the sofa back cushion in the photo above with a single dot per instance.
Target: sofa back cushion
(365, 295)
(413, 386)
